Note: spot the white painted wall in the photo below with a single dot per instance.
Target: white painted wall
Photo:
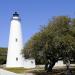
(14, 57)
(29, 63)
(59, 63)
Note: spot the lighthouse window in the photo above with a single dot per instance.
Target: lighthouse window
(16, 39)
(32, 62)
(16, 59)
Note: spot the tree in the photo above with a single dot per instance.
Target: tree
(3, 55)
(54, 41)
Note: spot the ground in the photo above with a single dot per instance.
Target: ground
(41, 71)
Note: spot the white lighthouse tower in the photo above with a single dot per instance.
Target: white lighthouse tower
(14, 57)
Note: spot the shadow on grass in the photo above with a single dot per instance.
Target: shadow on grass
(55, 72)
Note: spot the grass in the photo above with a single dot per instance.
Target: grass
(55, 72)
(23, 70)
(16, 70)
(40, 71)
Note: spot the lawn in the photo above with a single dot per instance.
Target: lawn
(23, 70)
(16, 70)
(40, 71)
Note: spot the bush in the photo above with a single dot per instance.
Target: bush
(3, 55)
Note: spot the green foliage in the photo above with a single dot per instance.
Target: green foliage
(54, 41)
(3, 55)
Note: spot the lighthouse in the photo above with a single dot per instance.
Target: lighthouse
(15, 45)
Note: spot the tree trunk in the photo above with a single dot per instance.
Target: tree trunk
(49, 66)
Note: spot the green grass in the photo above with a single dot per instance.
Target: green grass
(39, 71)
(22, 70)
(16, 70)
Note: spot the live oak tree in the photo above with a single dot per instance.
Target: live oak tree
(55, 41)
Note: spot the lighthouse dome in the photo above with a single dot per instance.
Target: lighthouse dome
(16, 16)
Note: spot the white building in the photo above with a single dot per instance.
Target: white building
(15, 46)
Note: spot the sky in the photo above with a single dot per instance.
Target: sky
(33, 13)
